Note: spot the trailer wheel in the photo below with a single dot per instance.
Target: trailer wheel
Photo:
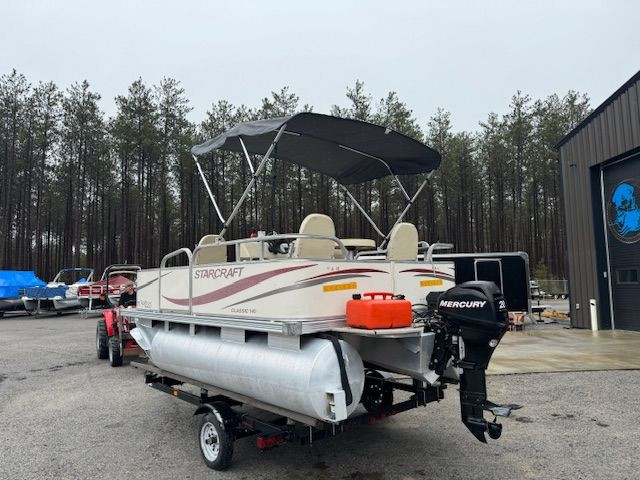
(102, 340)
(115, 355)
(377, 397)
(216, 444)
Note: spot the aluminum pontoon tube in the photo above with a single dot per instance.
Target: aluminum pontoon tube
(306, 381)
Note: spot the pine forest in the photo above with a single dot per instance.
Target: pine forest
(78, 188)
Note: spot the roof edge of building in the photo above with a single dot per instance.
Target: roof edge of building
(598, 110)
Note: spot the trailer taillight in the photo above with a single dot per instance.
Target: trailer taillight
(271, 441)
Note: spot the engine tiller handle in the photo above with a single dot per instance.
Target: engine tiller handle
(372, 295)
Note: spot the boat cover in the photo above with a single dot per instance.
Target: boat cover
(350, 151)
(46, 292)
(116, 281)
(12, 281)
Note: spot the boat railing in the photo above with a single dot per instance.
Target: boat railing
(261, 240)
(270, 238)
(163, 264)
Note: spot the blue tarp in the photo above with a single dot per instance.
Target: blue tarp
(12, 281)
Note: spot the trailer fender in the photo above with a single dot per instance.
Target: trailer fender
(109, 317)
(223, 413)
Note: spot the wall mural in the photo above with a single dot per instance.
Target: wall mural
(623, 215)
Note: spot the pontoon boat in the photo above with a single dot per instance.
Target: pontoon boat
(58, 295)
(12, 286)
(104, 293)
(262, 320)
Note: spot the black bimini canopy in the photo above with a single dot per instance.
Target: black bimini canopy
(350, 151)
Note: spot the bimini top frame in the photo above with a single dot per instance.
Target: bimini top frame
(349, 151)
(89, 271)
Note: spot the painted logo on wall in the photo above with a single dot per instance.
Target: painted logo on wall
(624, 211)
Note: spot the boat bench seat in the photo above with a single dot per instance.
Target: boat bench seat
(213, 254)
(251, 251)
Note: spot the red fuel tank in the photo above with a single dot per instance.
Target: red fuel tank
(373, 313)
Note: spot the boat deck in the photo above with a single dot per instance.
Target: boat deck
(293, 326)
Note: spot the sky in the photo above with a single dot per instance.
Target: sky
(468, 57)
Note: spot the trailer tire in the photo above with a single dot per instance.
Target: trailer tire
(102, 340)
(216, 444)
(376, 397)
(115, 354)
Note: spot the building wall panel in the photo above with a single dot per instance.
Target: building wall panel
(610, 131)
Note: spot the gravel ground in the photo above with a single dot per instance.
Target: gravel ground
(65, 414)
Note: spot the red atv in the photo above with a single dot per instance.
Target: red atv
(113, 340)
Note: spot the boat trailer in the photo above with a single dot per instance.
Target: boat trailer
(221, 425)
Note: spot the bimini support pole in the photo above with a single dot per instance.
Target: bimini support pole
(404, 192)
(406, 209)
(246, 155)
(364, 213)
(206, 184)
(254, 178)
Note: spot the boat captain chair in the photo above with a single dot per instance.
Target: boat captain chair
(402, 245)
(403, 242)
(216, 254)
(311, 248)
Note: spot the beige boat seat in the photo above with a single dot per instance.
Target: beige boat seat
(403, 242)
(251, 251)
(315, 224)
(217, 254)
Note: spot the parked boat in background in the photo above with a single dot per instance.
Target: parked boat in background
(105, 292)
(12, 287)
(59, 294)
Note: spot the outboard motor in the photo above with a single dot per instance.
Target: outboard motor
(474, 318)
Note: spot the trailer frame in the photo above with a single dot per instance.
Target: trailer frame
(286, 426)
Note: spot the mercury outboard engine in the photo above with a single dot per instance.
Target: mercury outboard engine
(473, 319)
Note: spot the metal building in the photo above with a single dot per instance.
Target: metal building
(600, 165)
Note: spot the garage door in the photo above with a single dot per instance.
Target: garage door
(621, 182)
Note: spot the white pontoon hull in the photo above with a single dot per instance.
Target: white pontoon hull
(58, 304)
(305, 380)
(67, 303)
(286, 289)
(11, 304)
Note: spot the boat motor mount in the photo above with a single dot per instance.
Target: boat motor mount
(473, 318)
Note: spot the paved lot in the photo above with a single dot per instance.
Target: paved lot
(540, 350)
(65, 414)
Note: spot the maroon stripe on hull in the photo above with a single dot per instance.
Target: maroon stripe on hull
(297, 286)
(235, 287)
(349, 270)
(427, 271)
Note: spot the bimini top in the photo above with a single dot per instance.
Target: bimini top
(350, 151)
